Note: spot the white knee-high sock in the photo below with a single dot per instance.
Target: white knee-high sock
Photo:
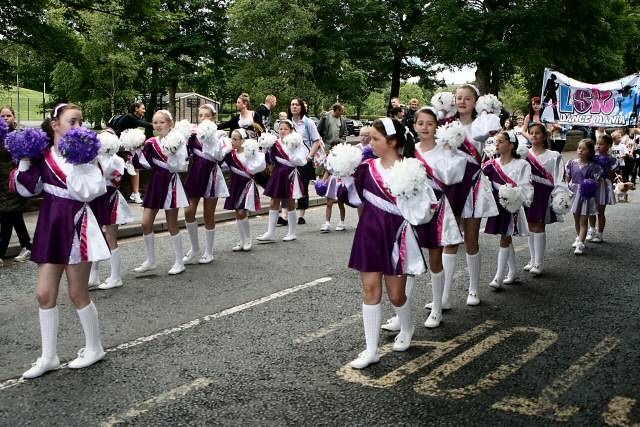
(404, 315)
(437, 290)
(292, 218)
(177, 247)
(408, 289)
(49, 331)
(532, 248)
(210, 236)
(540, 243)
(150, 247)
(503, 258)
(94, 274)
(448, 268)
(91, 327)
(115, 264)
(512, 261)
(473, 263)
(240, 231)
(372, 319)
(247, 229)
(192, 228)
(273, 221)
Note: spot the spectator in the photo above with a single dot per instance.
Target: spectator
(282, 115)
(410, 114)
(245, 118)
(262, 116)
(504, 114)
(508, 125)
(558, 136)
(333, 125)
(398, 114)
(395, 102)
(535, 109)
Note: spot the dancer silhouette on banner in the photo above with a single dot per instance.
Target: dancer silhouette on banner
(550, 90)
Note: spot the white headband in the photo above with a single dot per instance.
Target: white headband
(475, 89)
(211, 107)
(389, 128)
(242, 132)
(512, 137)
(55, 111)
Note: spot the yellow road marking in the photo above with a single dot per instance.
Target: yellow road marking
(546, 405)
(327, 330)
(618, 412)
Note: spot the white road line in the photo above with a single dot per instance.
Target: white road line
(305, 339)
(134, 343)
(162, 399)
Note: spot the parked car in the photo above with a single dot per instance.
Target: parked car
(353, 127)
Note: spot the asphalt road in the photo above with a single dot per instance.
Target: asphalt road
(264, 338)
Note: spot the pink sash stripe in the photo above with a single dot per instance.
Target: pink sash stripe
(55, 168)
(156, 146)
(429, 169)
(539, 168)
(12, 180)
(378, 179)
(281, 151)
(84, 250)
(496, 165)
(472, 150)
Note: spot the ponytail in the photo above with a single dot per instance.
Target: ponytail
(405, 144)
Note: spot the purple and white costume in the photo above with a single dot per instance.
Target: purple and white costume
(205, 178)
(581, 202)
(517, 173)
(164, 190)
(385, 239)
(285, 181)
(244, 193)
(67, 231)
(112, 208)
(605, 194)
(547, 173)
(444, 168)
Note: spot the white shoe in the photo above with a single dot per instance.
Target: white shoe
(246, 247)
(144, 267)
(191, 257)
(597, 238)
(365, 359)
(176, 269)
(433, 321)
(403, 340)
(528, 266)
(205, 259)
(86, 358)
(495, 284)
(130, 169)
(340, 226)
(289, 237)
(579, 249)
(445, 307)
(135, 198)
(92, 286)
(590, 234)
(237, 248)
(510, 279)
(325, 228)
(575, 242)
(473, 299)
(110, 284)
(266, 238)
(536, 270)
(41, 366)
(25, 255)
(392, 325)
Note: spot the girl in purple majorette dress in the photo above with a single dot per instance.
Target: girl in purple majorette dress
(583, 176)
(67, 237)
(111, 209)
(165, 155)
(445, 166)
(395, 198)
(550, 194)
(471, 199)
(604, 195)
(512, 189)
(245, 161)
(285, 182)
(205, 180)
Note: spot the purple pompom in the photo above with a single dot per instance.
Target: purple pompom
(588, 188)
(321, 187)
(4, 130)
(605, 162)
(367, 153)
(79, 146)
(29, 143)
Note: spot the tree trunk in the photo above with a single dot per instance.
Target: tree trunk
(395, 77)
(495, 79)
(483, 77)
(173, 86)
(113, 89)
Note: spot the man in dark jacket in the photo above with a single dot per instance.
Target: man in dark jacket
(262, 115)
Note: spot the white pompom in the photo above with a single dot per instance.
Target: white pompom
(173, 141)
(292, 141)
(250, 147)
(488, 104)
(343, 159)
(522, 149)
(561, 203)
(132, 139)
(452, 134)
(266, 140)
(206, 131)
(510, 198)
(109, 143)
(490, 148)
(444, 102)
(407, 178)
(184, 127)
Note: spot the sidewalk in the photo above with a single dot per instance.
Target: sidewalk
(135, 228)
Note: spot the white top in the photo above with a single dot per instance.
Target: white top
(619, 150)
(308, 130)
(447, 165)
(246, 122)
(519, 170)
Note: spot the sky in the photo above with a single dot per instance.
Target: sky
(458, 75)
